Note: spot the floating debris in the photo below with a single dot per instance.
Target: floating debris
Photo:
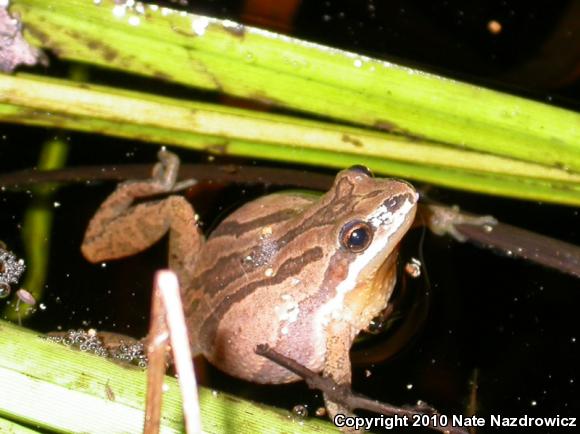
(25, 297)
(413, 268)
(14, 50)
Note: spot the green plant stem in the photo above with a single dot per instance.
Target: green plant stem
(231, 131)
(70, 391)
(9, 427)
(286, 72)
(36, 230)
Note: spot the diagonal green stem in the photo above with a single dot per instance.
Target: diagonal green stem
(286, 72)
(217, 129)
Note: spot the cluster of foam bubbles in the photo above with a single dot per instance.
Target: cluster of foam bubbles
(11, 268)
(89, 341)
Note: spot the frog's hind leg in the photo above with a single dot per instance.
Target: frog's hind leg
(120, 228)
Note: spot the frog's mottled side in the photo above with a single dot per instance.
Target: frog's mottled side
(301, 273)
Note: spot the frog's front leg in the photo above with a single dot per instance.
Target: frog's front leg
(337, 362)
(120, 228)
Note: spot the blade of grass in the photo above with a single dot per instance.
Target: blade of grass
(9, 427)
(67, 391)
(252, 63)
(36, 230)
(261, 135)
(497, 185)
(138, 108)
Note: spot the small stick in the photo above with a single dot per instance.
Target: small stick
(540, 249)
(472, 405)
(168, 322)
(157, 341)
(343, 394)
(169, 288)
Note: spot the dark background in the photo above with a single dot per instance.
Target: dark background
(513, 323)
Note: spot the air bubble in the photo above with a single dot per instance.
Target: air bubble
(300, 410)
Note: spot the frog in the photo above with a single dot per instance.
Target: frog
(300, 272)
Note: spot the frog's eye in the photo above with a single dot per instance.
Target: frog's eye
(363, 170)
(356, 236)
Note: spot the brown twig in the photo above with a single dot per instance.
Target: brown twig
(520, 243)
(167, 322)
(511, 240)
(230, 173)
(343, 394)
(472, 405)
(157, 341)
(169, 290)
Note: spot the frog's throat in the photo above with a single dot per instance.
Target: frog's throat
(371, 294)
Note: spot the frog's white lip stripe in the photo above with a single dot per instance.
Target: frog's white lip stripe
(395, 220)
(384, 215)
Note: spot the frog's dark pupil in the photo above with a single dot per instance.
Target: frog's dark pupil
(358, 238)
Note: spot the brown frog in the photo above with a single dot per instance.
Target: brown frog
(300, 272)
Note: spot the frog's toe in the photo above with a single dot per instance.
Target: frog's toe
(183, 185)
(166, 170)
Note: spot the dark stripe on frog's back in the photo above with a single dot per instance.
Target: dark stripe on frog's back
(232, 270)
(232, 226)
(215, 277)
(291, 267)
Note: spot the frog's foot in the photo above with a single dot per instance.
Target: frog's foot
(163, 179)
(165, 172)
(442, 220)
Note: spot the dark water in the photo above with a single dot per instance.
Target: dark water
(511, 325)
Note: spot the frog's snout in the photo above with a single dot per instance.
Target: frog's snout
(408, 185)
(405, 191)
